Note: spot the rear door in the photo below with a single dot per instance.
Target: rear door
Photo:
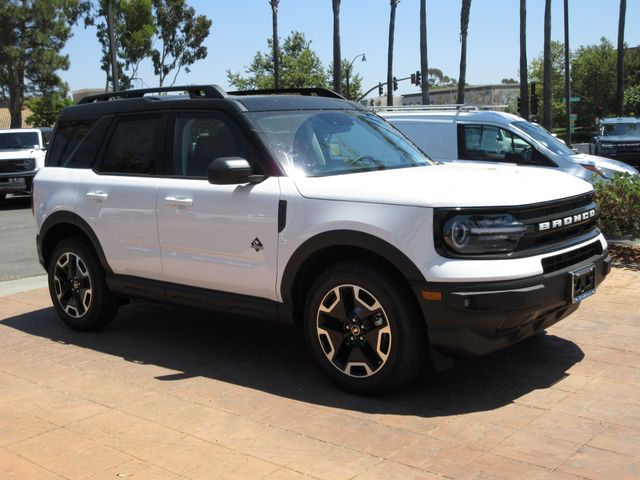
(218, 237)
(119, 195)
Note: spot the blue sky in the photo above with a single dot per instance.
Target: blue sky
(241, 27)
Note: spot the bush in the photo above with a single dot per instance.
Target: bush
(618, 202)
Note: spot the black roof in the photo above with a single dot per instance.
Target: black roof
(202, 97)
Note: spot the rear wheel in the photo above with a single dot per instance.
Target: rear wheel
(364, 328)
(77, 287)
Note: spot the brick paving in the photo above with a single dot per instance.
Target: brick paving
(168, 393)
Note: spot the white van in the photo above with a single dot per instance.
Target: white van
(496, 137)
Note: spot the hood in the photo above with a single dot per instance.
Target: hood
(446, 185)
(18, 153)
(603, 162)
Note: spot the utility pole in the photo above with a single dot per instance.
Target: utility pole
(567, 85)
(112, 46)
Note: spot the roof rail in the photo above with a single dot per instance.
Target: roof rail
(317, 92)
(448, 107)
(194, 91)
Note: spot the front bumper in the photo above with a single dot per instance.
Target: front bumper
(18, 183)
(473, 319)
(630, 158)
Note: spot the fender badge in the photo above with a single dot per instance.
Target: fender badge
(257, 245)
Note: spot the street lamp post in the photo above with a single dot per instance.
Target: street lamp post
(364, 59)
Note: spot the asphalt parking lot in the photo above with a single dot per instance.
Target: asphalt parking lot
(168, 393)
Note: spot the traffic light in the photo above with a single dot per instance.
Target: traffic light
(380, 91)
(534, 103)
(533, 89)
(413, 79)
(418, 77)
(395, 83)
(519, 105)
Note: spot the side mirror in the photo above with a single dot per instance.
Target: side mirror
(231, 171)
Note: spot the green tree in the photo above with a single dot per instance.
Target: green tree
(45, 109)
(355, 81)
(632, 100)
(593, 76)
(134, 31)
(556, 74)
(181, 34)
(32, 35)
(301, 67)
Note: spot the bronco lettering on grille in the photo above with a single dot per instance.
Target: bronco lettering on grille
(566, 221)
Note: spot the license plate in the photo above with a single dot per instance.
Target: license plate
(583, 283)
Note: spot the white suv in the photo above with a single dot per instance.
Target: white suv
(308, 209)
(22, 152)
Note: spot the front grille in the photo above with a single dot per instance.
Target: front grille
(537, 238)
(565, 260)
(627, 147)
(10, 166)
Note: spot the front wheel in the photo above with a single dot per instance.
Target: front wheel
(364, 328)
(77, 286)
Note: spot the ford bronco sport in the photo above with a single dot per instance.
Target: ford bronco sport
(22, 152)
(303, 207)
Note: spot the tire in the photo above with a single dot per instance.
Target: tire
(364, 329)
(77, 286)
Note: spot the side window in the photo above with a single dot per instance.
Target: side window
(87, 151)
(201, 137)
(67, 137)
(135, 146)
(492, 144)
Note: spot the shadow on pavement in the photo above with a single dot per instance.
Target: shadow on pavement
(273, 358)
(15, 202)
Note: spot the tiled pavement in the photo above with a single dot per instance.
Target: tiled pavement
(168, 393)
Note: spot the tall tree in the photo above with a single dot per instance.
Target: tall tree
(524, 81)
(546, 81)
(181, 34)
(337, 53)
(537, 72)
(424, 63)
(301, 67)
(392, 28)
(134, 29)
(465, 10)
(113, 47)
(32, 35)
(275, 43)
(620, 60)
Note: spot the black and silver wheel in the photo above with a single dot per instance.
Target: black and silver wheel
(364, 329)
(77, 287)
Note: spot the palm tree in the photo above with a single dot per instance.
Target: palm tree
(524, 87)
(546, 81)
(392, 27)
(337, 54)
(620, 69)
(464, 27)
(424, 64)
(276, 47)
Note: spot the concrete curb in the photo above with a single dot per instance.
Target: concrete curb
(10, 287)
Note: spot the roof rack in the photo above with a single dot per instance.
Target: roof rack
(317, 92)
(448, 107)
(194, 91)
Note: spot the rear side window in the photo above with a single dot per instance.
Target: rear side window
(67, 137)
(135, 146)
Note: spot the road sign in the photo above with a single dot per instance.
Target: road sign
(574, 99)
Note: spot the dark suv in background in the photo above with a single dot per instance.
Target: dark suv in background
(619, 138)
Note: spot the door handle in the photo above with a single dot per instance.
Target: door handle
(98, 196)
(178, 201)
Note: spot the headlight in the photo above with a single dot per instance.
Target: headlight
(29, 164)
(479, 234)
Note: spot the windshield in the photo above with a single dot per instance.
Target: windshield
(544, 137)
(19, 140)
(320, 143)
(622, 129)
